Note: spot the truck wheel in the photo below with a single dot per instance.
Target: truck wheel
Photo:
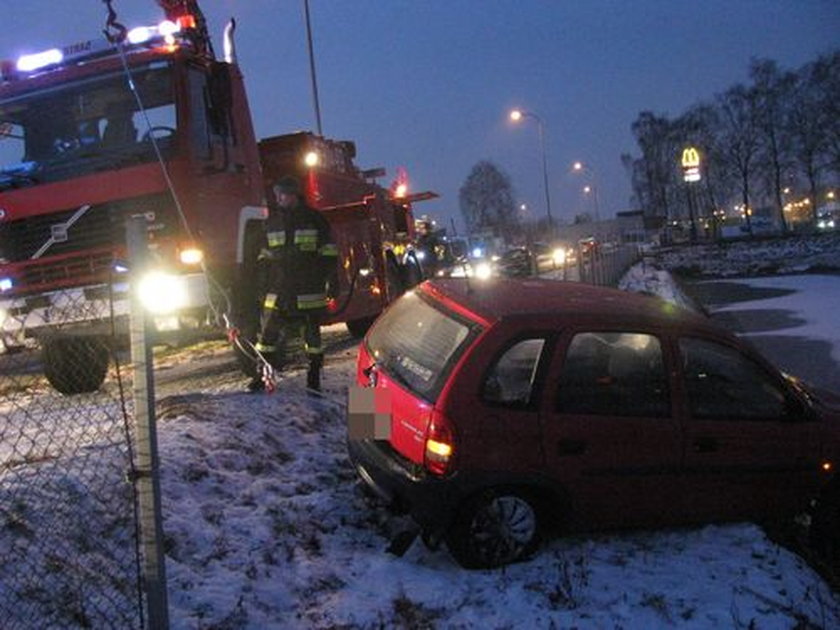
(358, 327)
(494, 529)
(75, 365)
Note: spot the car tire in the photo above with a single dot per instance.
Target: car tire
(75, 365)
(494, 529)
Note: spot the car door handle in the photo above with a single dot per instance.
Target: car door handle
(705, 445)
(571, 447)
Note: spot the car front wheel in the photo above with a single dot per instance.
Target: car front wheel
(493, 530)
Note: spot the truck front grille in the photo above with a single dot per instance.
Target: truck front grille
(79, 253)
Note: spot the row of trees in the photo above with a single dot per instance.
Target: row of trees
(779, 133)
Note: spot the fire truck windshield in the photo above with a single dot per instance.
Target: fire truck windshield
(93, 124)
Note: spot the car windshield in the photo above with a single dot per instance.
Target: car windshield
(84, 126)
(418, 344)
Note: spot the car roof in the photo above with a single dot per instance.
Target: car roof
(500, 298)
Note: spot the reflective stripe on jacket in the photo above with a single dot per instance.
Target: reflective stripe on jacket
(300, 257)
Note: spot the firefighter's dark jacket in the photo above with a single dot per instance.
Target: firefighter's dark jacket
(298, 260)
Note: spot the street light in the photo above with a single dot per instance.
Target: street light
(516, 115)
(580, 167)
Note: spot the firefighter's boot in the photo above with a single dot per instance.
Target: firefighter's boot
(313, 375)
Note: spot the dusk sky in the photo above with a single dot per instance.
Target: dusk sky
(428, 85)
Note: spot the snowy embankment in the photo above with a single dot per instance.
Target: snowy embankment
(268, 527)
(792, 254)
(651, 279)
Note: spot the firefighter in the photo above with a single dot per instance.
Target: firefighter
(298, 274)
(428, 246)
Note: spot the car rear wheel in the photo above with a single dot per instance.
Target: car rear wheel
(494, 529)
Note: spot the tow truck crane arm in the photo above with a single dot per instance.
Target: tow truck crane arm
(180, 10)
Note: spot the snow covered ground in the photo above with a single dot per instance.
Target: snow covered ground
(793, 254)
(268, 528)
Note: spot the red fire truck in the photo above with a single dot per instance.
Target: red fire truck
(151, 124)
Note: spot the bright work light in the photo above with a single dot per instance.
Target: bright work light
(161, 292)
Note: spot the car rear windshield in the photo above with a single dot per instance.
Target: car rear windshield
(417, 343)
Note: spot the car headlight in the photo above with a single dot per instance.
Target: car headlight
(483, 270)
(559, 256)
(162, 292)
(191, 256)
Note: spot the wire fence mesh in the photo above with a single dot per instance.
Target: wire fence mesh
(605, 266)
(68, 522)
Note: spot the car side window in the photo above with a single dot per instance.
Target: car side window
(723, 383)
(510, 380)
(615, 374)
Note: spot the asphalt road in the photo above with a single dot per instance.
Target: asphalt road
(809, 359)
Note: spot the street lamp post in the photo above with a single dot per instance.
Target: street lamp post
(312, 76)
(580, 167)
(516, 115)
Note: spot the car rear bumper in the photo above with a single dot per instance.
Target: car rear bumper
(405, 487)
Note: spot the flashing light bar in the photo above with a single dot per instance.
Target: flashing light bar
(166, 31)
(143, 34)
(36, 61)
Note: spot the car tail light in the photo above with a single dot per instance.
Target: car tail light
(439, 455)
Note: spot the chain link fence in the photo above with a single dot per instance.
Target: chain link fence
(605, 266)
(69, 528)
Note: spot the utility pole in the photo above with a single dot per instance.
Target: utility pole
(312, 68)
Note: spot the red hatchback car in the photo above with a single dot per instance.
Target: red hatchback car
(513, 407)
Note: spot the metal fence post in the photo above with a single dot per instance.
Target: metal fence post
(148, 469)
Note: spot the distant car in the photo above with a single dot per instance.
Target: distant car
(549, 257)
(517, 407)
(516, 262)
(826, 222)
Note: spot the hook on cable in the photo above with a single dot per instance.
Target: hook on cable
(115, 32)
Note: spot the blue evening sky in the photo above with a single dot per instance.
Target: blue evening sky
(427, 85)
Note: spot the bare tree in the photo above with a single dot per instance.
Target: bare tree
(652, 172)
(808, 128)
(739, 138)
(486, 201)
(824, 81)
(773, 92)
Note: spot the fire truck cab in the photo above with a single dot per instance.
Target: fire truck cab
(155, 127)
